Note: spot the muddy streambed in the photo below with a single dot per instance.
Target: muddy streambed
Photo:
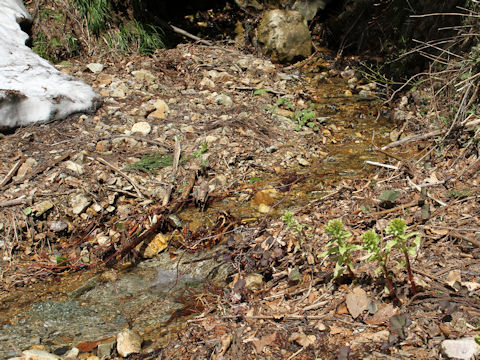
(97, 304)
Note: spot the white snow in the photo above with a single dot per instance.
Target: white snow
(31, 89)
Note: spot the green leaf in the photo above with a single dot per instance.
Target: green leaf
(28, 211)
(378, 270)
(260, 91)
(295, 275)
(339, 269)
(389, 196)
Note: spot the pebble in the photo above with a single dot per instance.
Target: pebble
(43, 207)
(264, 208)
(348, 93)
(73, 166)
(35, 354)
(223, 99)
(95, 67)
(303, 161)
(253, 281)
(463, 349)
(209, 139)
(206, 82)
(128, 342)
(57, 226)
(141, 127)
(79, 203)
(144, 76)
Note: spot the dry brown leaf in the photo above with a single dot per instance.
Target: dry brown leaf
(301, 339)
(357, 301)
(385, 312)
(264, 341)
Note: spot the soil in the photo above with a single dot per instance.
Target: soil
(238, 165)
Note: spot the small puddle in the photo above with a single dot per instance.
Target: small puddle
(60, 313)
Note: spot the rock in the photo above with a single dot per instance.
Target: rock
(25, 168)
(144, 76)
(244, 4)
(73, 166)
(161, 110)
(464, 349)
(57, 226)
(264, 208)
(141, 127)
(72, 353)
(79, 203)
(348, 93)
(43, 207)
(95, 67)
(253, 281)
(309, 8)
(223, 99)
(347, 73)
(284, 36)
(303, 161)
(366, 94)
(128, 342)
(35, 354)
(103, 80)
(106, 145)
(206, 82)
(209, 139)
(33, 90)
(104, 349)
(118, 89)
(158, 244)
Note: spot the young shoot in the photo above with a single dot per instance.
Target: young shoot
(339, 248)
(372, 242)
(404, 242)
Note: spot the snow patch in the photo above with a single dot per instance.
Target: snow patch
(31, 89)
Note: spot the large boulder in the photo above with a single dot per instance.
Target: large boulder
(31, 89)
(284, 35)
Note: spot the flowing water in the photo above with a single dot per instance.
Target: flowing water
(90, 306)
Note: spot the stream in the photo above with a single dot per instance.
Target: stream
(88, 306)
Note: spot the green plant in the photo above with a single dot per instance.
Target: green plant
(95, 12)
(339, 247)
(201, 151)
(152, 162)
(305, 117)
(300, 229)
(372, 242)
(402, 241)
(145, 39)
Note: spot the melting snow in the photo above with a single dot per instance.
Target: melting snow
(31, 89)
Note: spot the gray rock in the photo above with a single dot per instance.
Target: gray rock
(73, 166)
(463, 349)
(284, 36)
(43, 207)
(309, 8)
(223, 99)
(105, 349)
(95, 67)
(79, 203)
(141, 127)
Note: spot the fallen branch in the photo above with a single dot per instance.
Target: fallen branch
(176, 159)
(12, 172)
(14, 202)
(128, 178)
(191, 36)
(387, 166)
(464, 238)
(419, 137)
